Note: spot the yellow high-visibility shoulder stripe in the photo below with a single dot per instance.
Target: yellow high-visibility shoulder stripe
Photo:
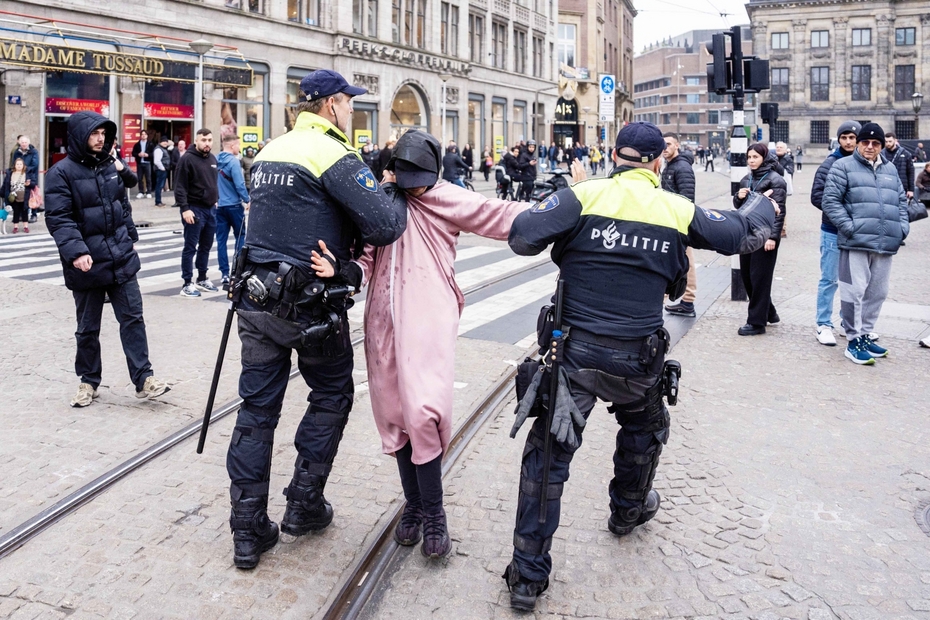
(314, 143)
(635, 196)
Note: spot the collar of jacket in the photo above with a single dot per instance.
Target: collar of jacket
(636, 174)
(881, 159)
(310, 121)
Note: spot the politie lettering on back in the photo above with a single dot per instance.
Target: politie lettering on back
(260, 178)
(610, 237)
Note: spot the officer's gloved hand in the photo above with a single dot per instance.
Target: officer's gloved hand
(566, 412)
(523, 409)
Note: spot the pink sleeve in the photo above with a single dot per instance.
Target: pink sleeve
(366, 261)
(488, 217)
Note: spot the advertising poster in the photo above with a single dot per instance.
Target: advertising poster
(55, 105)
(169, 110)
(132, 129)
(498, 145)
(362, 137)
(249, 136)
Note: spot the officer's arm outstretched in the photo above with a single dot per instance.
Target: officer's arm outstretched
(733, 232)
(546, 223)
(352, 184)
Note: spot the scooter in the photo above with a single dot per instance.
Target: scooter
(557, 181)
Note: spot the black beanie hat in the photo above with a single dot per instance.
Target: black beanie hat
(871, 131)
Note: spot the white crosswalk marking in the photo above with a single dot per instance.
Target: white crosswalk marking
(502, 304)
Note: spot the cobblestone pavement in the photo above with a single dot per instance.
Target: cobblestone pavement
(789, 485)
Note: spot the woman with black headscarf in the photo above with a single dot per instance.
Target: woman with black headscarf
(758, 268)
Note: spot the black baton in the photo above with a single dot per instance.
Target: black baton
(239, 266)
(552, 357)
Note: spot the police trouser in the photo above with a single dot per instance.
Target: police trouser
(612, 375)
(267, 342)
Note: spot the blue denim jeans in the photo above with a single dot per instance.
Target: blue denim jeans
(198, 241)
(228, 217)
(829, 269)
(160, 177)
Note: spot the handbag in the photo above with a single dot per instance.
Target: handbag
(36, 202)
(916, 210)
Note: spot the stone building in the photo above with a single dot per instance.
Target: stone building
(671, 89)
(843, 59)
(133, 63)
(594, 38)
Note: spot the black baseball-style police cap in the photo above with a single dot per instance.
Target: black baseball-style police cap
(645, 138)
(325, 83)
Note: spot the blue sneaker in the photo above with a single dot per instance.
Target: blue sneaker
(857, 352)
(189, 291)
(873, 349)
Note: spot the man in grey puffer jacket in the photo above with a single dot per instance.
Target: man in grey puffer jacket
(866, 202)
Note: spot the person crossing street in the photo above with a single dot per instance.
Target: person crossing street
(196, 193)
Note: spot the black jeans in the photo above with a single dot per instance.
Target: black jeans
(267, 343)
(145, 177)
(198, 239)
(126, 300)
(758, 270)
(638, 441)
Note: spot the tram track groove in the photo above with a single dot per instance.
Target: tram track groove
(19, 535)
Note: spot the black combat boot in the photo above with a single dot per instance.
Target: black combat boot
(307, 510)
(622, 522)
(523, 592)
(253, 532)
(407, 532)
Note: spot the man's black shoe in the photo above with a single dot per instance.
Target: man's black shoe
(253, 532)
(523, 593)
(620, 526)
(774, 318)
(307, 510)
(751, 330)
(682, 308)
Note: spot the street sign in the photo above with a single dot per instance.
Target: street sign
(606, 109)
(607, 84)
(14, 100)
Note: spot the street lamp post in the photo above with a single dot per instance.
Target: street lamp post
(916, 101)
(442, 108)
(201, 47)
(585, 120)
(678, 98)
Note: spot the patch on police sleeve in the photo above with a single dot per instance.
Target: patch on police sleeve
(366, 180)
(548, 204)
(713, 216)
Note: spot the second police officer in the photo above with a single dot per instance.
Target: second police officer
(620, 245)
(308, 185)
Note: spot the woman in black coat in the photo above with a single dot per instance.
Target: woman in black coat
(468, 156)
(758, 268)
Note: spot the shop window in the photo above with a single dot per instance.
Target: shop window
(476, 38)
(862, 82)
(861, 37)
(904, 85)
(244, 106)
(476, 134)
(408, 111)
(820, 132)
(498, 125)
(79, 86)
(518, 126)
(364, 119)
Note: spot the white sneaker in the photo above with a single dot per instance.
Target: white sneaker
(873, 336)
(925, 342)
(207, 285)
(148, 195)
(825, 335)
(152, 388)
(189, 291)
(140, 195)
(85, 395)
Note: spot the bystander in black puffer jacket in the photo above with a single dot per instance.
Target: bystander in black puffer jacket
(87, 210)
(763, 179)
(678, 176)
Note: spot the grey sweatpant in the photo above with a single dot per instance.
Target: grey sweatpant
(863, 288)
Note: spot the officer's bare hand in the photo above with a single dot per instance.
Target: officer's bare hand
(84, 263)
(769, 245)
(743, 192)
(768, 194)
(188, 217)
(323, 267)
(388, 177)
(578, 171)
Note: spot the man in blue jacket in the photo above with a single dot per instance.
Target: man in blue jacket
(829, 253)
(90, 218)
(230, 212)
(866, 202)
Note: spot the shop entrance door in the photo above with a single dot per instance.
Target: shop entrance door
(175, 130)
(56, 139)
(565, 135)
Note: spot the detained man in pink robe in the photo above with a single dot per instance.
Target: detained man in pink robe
(411, 325)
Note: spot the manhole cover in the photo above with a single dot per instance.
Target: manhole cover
(922, 516)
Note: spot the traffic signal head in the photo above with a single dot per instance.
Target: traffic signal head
(756, 75)
(718, 79)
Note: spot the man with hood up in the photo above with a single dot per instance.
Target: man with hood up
(89, 216)
(230, 212)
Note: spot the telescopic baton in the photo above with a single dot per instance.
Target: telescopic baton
(233, 297)
(552, 361)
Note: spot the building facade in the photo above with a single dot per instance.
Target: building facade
(671, 89)
(843, 59)
(594, 38)
(490, 58)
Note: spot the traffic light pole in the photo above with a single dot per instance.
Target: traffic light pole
(739, 143)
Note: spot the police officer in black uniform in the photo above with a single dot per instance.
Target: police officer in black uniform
(308, 185)
(620, 244)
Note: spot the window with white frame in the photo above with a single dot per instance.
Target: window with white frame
(862, 37)
(565, 44)
(779, 40)
(820, 38)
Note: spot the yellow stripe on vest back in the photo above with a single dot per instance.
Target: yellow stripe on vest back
(307, 145)
(634, 196)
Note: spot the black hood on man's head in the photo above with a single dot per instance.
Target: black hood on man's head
(80, 126)
(418, 148)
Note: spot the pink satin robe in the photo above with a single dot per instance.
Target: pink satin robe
(412, 315)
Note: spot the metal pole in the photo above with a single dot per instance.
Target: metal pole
(678, 98)
(198, 97)
(442, 112)
(739, 143)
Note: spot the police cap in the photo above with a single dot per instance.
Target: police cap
(325, 83)
(644, 138)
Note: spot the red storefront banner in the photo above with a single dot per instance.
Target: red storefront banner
(132, 131)
(55, 105)
(168, 110)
